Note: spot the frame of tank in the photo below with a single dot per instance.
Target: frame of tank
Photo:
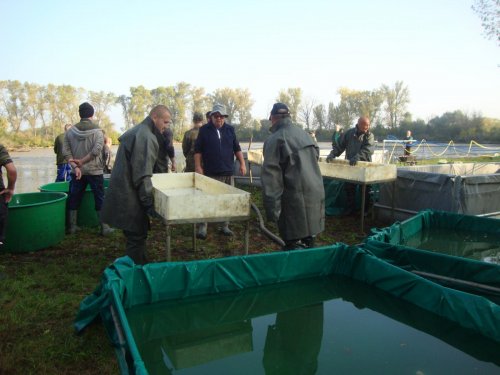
(125, 285)
(363, 173)
(465, 188)
(181, 198)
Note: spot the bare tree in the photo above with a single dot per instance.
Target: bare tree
(396, 100)
(306, 113)
(489, 12)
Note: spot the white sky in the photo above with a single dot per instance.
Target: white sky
(436, 47)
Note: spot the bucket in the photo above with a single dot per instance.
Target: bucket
(87, 216)
(36, 221)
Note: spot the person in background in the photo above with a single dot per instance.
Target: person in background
(292, 186)
(312, 133)
(359, 145)
(6, 193)
(107, 154)
(63, 167)
(166, 151)
(83, 145)
(129, 198)
(409, 141)
(336, 134)
(214, 152)
(189, 140)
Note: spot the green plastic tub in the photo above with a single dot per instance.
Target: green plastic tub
(87, 216)
(36, 221)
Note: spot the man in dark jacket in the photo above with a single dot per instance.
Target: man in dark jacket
(189, 141)
(214, 152)
(63, 167)
(359, 145)
(129, 199)
(292, 185)
(166, 151)
(6, 193)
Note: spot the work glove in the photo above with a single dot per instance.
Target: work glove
(354, 160)
(330, 157)
(153, 214)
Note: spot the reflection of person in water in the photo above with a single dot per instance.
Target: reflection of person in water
(294, 341)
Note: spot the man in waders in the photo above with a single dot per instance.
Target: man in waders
(129, 198)
(292, 186)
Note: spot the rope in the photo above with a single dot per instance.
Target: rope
(449, 148)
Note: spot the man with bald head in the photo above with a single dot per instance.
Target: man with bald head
(359, 145)
(129, 198)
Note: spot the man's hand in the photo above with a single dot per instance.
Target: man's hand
(78, 173)
(173, 167)
(354, 160)
(198, 170)
(7, 193)
(330, 157)
(153, 214)
(77, 162)
(243, 169)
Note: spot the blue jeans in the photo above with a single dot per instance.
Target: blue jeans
(63, 172)
(77, 189)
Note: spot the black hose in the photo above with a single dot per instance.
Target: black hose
(263, 228)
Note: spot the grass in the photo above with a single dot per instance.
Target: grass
(41, 291)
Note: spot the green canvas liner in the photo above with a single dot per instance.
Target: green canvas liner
(125, 285)
(399, 232)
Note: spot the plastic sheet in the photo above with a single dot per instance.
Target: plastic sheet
(125, 285)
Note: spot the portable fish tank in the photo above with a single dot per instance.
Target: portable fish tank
(163, 317)
(35, 221)
(464, 188)
(87, 216)
(445, 232)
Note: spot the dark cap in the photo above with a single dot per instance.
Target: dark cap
(197, 117)
(280, 109)
(86, 110)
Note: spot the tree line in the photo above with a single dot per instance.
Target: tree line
(32, 114)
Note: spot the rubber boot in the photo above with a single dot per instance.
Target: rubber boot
(73, 217)
(225, 230)
(105, 228)
(202, 231)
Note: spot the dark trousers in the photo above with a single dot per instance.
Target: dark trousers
(63, 172)
(77, 189)
(136, 246)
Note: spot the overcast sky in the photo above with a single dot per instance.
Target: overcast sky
(436, 47)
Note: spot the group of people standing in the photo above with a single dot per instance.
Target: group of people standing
(292, 185)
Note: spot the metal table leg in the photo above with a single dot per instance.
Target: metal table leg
(363, 192)
(247, 235)
(194, 238)
(169, 255)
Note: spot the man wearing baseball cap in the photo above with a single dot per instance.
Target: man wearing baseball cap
(292, 186)
(214, 152)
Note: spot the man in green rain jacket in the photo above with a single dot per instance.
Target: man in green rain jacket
(129, 198)
(292, 185)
